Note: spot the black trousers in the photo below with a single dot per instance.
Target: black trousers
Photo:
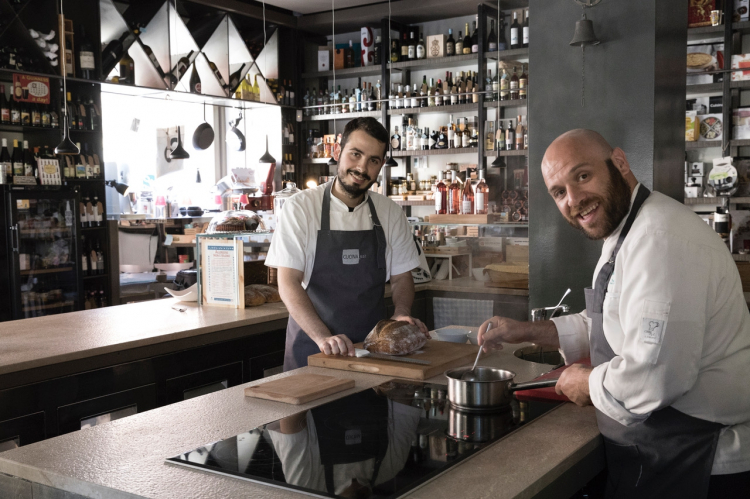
(736, 485)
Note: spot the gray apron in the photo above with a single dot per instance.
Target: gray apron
(668, 455)
(347, 285)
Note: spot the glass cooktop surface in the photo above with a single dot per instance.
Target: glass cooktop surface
(379, 443)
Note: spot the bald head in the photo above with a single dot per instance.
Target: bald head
(585, 144)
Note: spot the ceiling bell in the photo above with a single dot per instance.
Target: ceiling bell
(584, 34)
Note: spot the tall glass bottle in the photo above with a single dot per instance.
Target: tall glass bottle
(492, 38)
(475, 40)
(525, 39)
(514, 84)
(467, 41)
(481, 195)
(450, 44)
(459, 45)
(467, 196)
(454, 195)
(504, 86)
(421, 52)
(523, 83)
(195, 80)
(515, 28)
(441, 196)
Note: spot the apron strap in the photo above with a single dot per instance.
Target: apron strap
(379, 233)
(602, 280)
(325, 218)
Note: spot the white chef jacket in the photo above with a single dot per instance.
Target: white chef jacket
(677, 321)
(299, 453)
(294, 242)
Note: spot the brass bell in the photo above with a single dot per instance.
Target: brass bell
(584, 34)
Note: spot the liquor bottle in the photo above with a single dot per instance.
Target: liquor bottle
(450, 44)
(433, 139)
(17, 160)
(431, 93)
(357, 98)
(127, 70)
(454, 195)
(234, 78)
(467, 41)
(515, 41)
(68, 215)
(425, 139)
(25, 115)
(4, 107)
(256, 90)
(395, 53)
(411, 51)
(475, 40)
(414, 97)
(353, 102)
(451, 134)
(15, 112)
(514, 84)
(28, 160)
(500, 137)
(112, 53)
(489, 95)
(84, 256)
(404, 48)
(459, 45)
(489, 143)
(371, 104)
(441, 195)
(421, 52)
(492, 38)
(376, 50)
(439, 100)
(467, 196)
(195, 80)
(378, 96)
(6, 164)
(80, 113)
(481, 195)
(519, 133)
(410, 146)
(525, 40)
(510, 139)
(46, 117)
(523, 83)
(396, 140)
(441, 142)
(180, 68)
(525, 134)
(504, 86)
(36, 116)
(466, 136)
(217, 73)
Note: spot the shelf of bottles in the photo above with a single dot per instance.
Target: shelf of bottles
(342, 116)
(435, 152)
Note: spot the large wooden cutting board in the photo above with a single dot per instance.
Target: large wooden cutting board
(299, 389)
(441, 354)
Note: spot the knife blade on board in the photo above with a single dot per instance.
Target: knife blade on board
(360, 352)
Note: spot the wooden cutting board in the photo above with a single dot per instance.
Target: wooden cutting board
(441, 354)
(299, 389)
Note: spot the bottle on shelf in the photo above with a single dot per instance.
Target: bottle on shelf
(195, 80)
(28, 160)
(396, 140)
(515, 39)
(395, 52)
(450, 44)
(256, 89)
(404, 48)
(525, 39)
(84, 257)
(179, 70)
(467, 196)
(492, 38)
(102, 298)
(411, 51)
(217, 73)
(93, 261)
(510, 137)
(441, 195)
(454, 195)
(465, 134)
(504, 86)
(424, 141)
(112, 53)
(96, 208)
(15, 112)
(441, 141)
(466, 46)
(376, 49)
(46, 117)
(481, 195)
(489, 144)
(474, 40)
(80, 114)
(514, 84)
(378, 96)
(519, 133)
(6, 164)
(36, 115)
(459, 45)
(68, 215)
(17, 160)
(236, 77)
(500, 137)
(99, 259)
(127, 70)
(25, 114)
(523, 83)
(421, 52)
(86, 64)
(451, 132)
(4, 107)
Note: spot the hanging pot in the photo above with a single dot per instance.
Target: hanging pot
(203, 136)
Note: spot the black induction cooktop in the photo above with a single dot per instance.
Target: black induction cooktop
(379, 443)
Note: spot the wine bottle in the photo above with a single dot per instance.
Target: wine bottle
(514, 84)
(28, 160)
(256, 92)
(4, 107)
(195, 80)
(81, 114)
(152, 57)
(492, 38)
(525, 40)
(6, 164)
(36, 115)
(234, 78)
(112, 53)
(441, 196)
(84, 254)
(459, 45)
(481, 195)
(467, 196)
(450, 44)
(25, 114)
(15, 112)
(454, 195)
(514, 32)
(467, 41)
(127, 70)
(17, 160)
(180, 68)
(216, 72)
(100, 265)
(46, 117)
(86, 61)
(475, 40)
(421, 52)
(411, 51)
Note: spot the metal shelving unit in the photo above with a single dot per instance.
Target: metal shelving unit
(435, 152)
(456, 108)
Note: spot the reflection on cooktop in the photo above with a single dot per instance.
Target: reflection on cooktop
(378, 443)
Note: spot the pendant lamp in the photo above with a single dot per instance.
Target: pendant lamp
(499, 162)
(66, 147)
(267, 158)
(332, 161)
(179, 152)
(391, 163)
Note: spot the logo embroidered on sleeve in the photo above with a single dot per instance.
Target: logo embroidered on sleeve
(652, 330)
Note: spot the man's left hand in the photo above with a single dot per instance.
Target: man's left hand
(574, 384)
(415, 321)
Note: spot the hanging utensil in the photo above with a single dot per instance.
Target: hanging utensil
(203, 136)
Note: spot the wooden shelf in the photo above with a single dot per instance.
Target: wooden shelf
(436, 152)
(49, 306)
(457, 108)
(26, 129)
(343, 116)
(346, 73)
(705, 88)
(425, 202)
(702, 144)
(507, 103)
(46, 271)
(512, 152)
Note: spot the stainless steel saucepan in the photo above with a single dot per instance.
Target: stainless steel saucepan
(489, 390)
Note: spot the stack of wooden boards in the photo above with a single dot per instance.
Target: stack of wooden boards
(514, 273)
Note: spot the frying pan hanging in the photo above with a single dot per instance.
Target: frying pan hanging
(203, 136)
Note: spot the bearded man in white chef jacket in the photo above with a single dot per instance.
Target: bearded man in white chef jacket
(666, 327)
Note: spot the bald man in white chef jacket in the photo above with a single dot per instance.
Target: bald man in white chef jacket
(666, 326)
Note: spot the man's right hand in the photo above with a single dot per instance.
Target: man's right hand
(498, 330)
(337, 345)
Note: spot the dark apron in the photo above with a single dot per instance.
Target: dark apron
(668, 455)
(352, 430)
(347, 285)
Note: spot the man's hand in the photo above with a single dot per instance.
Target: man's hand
(415, 321)
(574, 384)
(498, 330)
(337, 345)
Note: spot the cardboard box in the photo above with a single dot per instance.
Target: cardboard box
(435, 46)
(712, 127)
(699, 12)
(740, 61)
(339, 58)
(324, 59)
(741, 10)
(741, 123)
(692, 128)
(517, 254)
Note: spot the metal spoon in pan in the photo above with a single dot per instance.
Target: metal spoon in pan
(469, 375)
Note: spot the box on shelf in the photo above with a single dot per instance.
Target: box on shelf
(508, 275)
(741, 61)
(435, 46)
(702, 59)
(465, 219)
(712, 127)
(183, 239)
(741, 10)
(692, 128)
(324, 58)
(517, 254)
(741, 123)
(699, 12)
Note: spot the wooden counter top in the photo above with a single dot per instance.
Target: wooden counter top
(125, 458)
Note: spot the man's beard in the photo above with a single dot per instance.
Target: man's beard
(614, 207)
(354, 190)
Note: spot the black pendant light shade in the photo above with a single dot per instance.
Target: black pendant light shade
(498, 163)
(118, 186)
(179, 152)
(332, 162)
(197, 176)
(67, 147)
(267, 158)
(391, 163)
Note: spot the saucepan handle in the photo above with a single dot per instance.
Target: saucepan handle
(545, 383)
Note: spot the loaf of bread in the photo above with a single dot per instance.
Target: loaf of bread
(394, 338)
(253, 297)
(271, 294)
